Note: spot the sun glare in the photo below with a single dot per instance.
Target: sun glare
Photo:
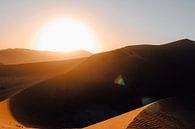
(66, 35)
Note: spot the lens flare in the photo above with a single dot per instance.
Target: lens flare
(119, 81)
(147, 100)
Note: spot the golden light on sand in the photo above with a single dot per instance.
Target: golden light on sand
(66, 35)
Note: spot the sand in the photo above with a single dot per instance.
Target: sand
(171, 113)
(119, 122)
(7, 121)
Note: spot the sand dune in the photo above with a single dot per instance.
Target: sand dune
(104, 85)
(97, 90)
(170, 113)
(15, 78)
(7, 121)
(118, 122)
(21, 56)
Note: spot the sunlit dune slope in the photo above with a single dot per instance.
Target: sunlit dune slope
(21, 56)
(108, 84)
(118, 122)
(170, 113)
(7, 121)
(14, 78)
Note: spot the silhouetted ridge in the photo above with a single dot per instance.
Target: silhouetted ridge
(182, 43)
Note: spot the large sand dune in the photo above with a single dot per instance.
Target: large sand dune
(102, 86)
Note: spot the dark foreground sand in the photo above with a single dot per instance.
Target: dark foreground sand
(170, 113)
(7, 121)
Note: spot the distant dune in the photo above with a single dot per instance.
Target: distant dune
(20, 56)
(14, 78)
(106, 85)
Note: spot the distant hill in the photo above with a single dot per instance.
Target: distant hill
(20, 56)
(108, 84)
(14, 78)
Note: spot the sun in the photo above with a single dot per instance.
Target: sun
(66, 35)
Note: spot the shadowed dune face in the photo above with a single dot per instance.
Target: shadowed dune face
(90, 93)
(79, 98)
(170, 113)
(14, 78)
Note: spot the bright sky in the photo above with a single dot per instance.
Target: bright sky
(116, 23)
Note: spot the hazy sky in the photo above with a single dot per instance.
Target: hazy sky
(117, 23)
